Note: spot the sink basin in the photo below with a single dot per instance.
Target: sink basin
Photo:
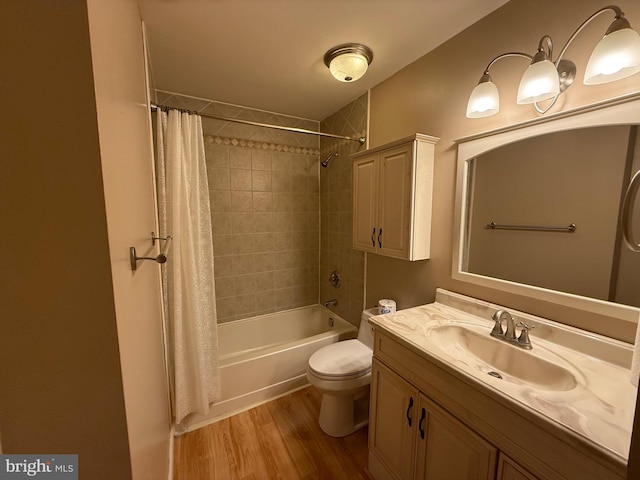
(475, 348)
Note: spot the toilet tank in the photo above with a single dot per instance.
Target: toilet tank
(365, 333)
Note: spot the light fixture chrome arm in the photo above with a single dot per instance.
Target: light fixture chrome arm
(619, 14)
(504, 55)
(549, 42)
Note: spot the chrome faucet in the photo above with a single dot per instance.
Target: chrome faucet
(523, 341)
(330, 303)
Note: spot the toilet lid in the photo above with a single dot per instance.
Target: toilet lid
(342, 359)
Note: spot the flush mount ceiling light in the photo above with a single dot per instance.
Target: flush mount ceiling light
(616, 56)
(348, 62)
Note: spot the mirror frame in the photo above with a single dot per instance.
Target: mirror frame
(622, 110)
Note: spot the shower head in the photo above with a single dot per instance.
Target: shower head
(325, 162)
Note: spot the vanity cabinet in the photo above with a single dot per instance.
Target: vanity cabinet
(433, 417)
(392, 193)
(411, 437)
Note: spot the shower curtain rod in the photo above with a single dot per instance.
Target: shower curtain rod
(360, 140)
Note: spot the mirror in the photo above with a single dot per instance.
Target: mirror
(538, 209)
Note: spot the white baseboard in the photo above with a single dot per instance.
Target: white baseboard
(171, 448)
(232, 406)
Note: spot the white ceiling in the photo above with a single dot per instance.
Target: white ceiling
(268, 54)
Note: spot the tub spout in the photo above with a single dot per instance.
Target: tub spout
(331, 303)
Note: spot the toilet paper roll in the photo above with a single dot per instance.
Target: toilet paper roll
(386, 305)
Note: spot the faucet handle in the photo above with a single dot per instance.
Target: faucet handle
(524, 339)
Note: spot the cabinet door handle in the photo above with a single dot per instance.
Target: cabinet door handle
(373, 234)
(423, 415)
(409, 421)
(379, 242)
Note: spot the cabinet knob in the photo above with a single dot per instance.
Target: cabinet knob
(373, 234)
(379, 241)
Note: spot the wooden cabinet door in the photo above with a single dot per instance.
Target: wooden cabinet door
(448, 450)
(393, 421)
(510, 470)
(394, 201)
(365, 204)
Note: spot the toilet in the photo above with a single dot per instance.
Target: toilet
(342, 373)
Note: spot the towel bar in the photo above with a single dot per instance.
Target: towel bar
(495, 226)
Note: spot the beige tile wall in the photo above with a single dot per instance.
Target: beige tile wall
(336, 252)
(265, 229)
(264, 192)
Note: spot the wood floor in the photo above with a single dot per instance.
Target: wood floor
(277, 440)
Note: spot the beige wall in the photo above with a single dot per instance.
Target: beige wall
(336, 206)
(127, 168)
(430, 95)
(60, 367)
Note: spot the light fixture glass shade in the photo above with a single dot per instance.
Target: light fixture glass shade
(348, 67)
(539, 82)
(484, 100)
(616, 56)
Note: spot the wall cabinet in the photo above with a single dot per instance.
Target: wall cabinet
(392, 193)
(411, 437)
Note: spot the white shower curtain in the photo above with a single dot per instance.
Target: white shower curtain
(188, 283)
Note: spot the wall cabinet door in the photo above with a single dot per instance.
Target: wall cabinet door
(394, 198)
(448, 450)
(392, 193)
(365, 203)
(392, 423)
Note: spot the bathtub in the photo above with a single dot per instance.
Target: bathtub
(264, 357)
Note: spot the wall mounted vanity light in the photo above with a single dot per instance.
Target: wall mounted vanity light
(348, 62)
(616, 56)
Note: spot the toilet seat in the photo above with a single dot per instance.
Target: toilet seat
(341, 361)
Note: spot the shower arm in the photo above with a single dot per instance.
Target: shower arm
(326, 161)
(360, 140)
